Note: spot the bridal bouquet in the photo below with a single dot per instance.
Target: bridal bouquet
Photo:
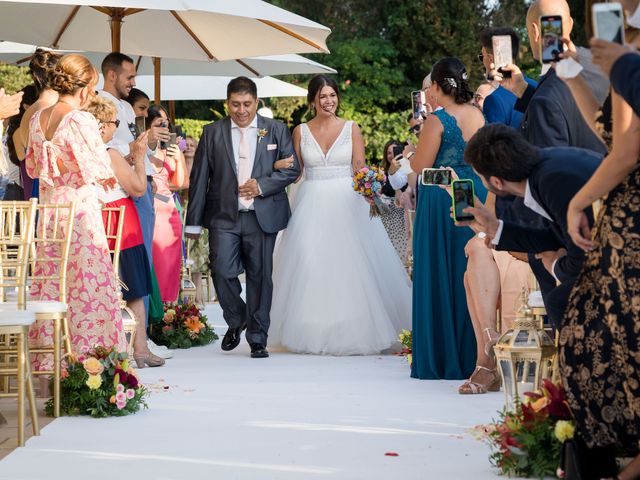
(368, 182)
(184, 326)
(527, 441)
(100, 383)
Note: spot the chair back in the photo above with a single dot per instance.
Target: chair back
(51, 247)
(113, 219)
(17, 224)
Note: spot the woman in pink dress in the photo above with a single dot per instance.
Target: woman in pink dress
(167, 234)
(66, 152)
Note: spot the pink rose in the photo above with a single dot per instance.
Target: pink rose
(120, 388)
(130, 393)
(121, 405)
(121, 397)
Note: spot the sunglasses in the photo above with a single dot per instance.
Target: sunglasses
(115, 122)
(415, 129)
(481, 57)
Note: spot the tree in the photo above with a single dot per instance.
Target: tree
(13, 79)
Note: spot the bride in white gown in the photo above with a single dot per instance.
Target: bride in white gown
(339, 286)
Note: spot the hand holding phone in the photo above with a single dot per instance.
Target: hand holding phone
(139, 126)
(397, 150)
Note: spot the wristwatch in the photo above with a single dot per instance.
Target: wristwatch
(411, 154)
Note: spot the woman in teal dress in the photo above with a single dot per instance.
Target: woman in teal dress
(444, 345)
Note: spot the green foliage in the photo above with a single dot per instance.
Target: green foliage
(14, 79)
(192, 126)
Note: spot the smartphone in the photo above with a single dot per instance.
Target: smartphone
(397, 150)
(608, 22)
(436, 176)
(418, 104)
(140, 126)
(502, 53)
(178, 130)
(462, 198)
(551, 45)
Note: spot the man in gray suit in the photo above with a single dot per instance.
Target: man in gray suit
(236, 193)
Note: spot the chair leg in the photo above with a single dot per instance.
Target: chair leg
(33, 408)
(67, 335)
(56, 366)
(21, 370)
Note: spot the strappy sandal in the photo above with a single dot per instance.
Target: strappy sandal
(474, 388)
(491, 342)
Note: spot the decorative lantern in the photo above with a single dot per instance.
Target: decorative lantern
(187, 287)
(524, 354)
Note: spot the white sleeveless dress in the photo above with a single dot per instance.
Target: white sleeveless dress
(339, 286)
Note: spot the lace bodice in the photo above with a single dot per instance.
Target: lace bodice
(451, 152)
(335, 164)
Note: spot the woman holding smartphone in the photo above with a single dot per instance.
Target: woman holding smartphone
(393, 218)
(171, 174)
(444, 343)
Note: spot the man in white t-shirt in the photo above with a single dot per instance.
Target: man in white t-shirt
(119, 74)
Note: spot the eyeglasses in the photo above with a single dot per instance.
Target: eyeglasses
(116, 122)
(481, 57)
(415, 129)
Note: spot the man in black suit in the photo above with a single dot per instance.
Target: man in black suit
(551, 116)
(546, 179)
(237, 194)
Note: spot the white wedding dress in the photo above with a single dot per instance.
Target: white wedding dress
(339, 286)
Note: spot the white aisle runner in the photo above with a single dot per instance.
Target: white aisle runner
(216, 415)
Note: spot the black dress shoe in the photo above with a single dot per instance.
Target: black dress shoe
(232, 338)
(258, 351)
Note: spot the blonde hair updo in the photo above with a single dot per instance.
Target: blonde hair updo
(72, 73)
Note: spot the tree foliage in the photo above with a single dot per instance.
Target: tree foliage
(13, 79)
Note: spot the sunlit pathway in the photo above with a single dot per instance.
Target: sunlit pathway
(216, 415)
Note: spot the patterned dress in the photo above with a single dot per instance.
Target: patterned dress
(600, 341)
(69, 167)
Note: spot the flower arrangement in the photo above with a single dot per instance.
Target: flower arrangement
(368, 182)
(527, 441)
(405, 340)
(100, 383)
(184, 326)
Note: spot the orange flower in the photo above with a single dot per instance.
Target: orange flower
(194, 324)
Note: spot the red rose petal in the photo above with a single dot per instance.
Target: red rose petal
(391, 454)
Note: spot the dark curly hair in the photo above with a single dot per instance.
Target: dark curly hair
(41, 63)
(451, 76)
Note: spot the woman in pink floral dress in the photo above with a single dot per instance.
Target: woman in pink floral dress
(66, 152)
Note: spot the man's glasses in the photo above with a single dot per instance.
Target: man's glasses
(115, 122)
(481, 57)
(415, 129)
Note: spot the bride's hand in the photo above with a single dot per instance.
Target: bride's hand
(283, 163)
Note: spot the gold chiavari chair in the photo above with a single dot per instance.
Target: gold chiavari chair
(48, 260)
(186, 278)
(17, 224)
(114, 224)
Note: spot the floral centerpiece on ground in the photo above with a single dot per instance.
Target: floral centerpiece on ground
(100, 383)
(405, 340)
(368, 182)
(527, 441)
(184, 326)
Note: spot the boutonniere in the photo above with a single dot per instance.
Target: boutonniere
(262, 133)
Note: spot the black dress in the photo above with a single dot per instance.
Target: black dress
(600, 338)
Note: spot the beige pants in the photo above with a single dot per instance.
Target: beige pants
(514, 276)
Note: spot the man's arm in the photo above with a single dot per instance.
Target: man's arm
(278, 180)
(198, 185)
(494, 111)
(517, 238)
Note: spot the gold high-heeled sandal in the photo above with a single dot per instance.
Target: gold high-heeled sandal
(474, 388)
(491, 342)
(149, 360)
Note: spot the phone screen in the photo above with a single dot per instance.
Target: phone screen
(462, 198)
(609, 24)
(436, 176)
(502, 52)
(140, 126)
(418, 104)
(551, 27)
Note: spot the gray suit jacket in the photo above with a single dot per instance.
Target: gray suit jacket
(213, 190)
